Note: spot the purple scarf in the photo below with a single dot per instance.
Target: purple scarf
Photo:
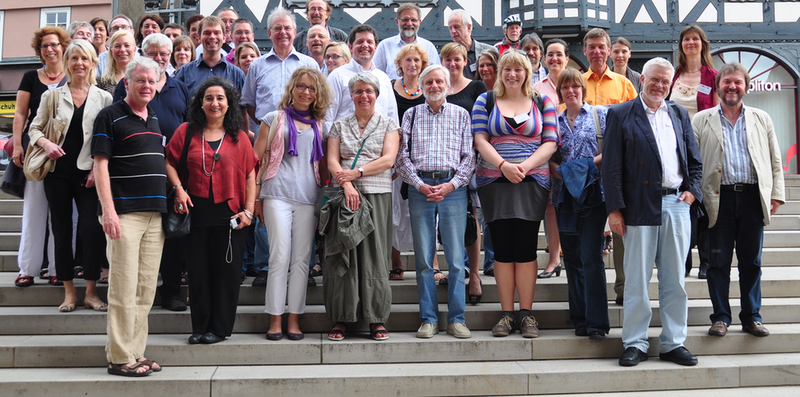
(301, 116)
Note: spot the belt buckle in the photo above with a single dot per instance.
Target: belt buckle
(738, 187)
(436, 175)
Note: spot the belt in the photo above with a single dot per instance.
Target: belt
(739, 187)
(436, 174)
(668, 192)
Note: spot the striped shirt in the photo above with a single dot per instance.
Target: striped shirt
(514, 145)
(439, 142)
(738, 166)
(135, 150)
(346, 131)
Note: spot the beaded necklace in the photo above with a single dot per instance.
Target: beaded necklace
(402, 81)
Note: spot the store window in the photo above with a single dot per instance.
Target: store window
(773, 89)
(58, 16)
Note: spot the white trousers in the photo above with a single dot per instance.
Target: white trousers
(35, 218)
(290, 229)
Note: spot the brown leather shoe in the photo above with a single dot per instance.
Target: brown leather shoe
(528, 327)
(755, 328)
(719, 328)
(504, 327)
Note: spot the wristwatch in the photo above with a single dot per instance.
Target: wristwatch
(361, 171)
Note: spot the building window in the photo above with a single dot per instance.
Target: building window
(58, 16)
(773, 89)
(2, 27)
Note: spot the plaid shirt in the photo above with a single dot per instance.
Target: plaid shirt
(440, 142)
(346, 131)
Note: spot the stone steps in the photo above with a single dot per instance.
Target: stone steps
(777, 282)
(416, 379)
(58, 351)
(46, 320)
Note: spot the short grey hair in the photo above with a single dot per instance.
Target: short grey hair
(409, 6)
(365, 77)
(157, 39)
(121, 16)
(143, 63)
(432, 68)
(531, 37)
(79, 24)
(466, 19)
(280, 12)
(660, 62)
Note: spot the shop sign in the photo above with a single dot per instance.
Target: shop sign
(7, 108)
(761, 85)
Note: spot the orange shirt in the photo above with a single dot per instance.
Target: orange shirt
(609, 89)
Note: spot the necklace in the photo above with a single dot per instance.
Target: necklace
(402, 81)
(52, 78)
(217, 156)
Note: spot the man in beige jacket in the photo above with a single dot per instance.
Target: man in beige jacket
(742, 187)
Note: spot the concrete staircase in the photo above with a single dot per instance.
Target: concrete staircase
(45, 352)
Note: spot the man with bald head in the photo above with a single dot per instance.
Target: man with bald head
(315, 43)
(318, 12)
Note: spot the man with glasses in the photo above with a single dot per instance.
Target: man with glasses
(119, 22)
(408, 21)
(651, 176)
(242, 32)
(318, 12)
(211, 62)
(460, 25)
(170, 101)
(81, 30)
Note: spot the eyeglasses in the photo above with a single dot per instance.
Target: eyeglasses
(664, 82)
(141, 81)
(334, 57)
(119, 27)
(303, 87)
(360, 92)
(317, 9)
(281, 28)
(48, 46)
(156, 54)
(407, 20)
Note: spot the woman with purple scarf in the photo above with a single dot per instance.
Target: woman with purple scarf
(288, 192)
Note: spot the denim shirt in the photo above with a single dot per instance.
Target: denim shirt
(578, 142)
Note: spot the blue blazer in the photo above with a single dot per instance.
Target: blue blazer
(632, 165)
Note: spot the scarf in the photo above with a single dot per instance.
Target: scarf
(301, 116)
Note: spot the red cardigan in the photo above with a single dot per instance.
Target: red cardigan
(708, 77)
(230, 172)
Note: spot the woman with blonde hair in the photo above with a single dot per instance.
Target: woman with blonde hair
(79, 102)
(515, 138)
(288, 192)
(123, 50)
(336, 54)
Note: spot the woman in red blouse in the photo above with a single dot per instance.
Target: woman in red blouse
(218, 183)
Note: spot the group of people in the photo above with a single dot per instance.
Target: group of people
(419, 143)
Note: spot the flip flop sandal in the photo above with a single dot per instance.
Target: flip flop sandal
(55, 281)
(337, 334)
(376, 332)
(44, 274)
(23, 281)
(396, 274)
(77, 272)
(123, 370)
(315, 272)
(438, 272)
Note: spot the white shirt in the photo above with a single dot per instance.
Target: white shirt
(389, 48)
(342, 102)
(661, 123)
(199, 52)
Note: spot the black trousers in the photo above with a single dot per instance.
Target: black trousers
(60, 192)
(173, 257)
(213, 282)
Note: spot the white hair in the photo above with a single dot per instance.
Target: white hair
(432, 68)
(158, 40)
(466, 19)
(280, 12)
(660, 62)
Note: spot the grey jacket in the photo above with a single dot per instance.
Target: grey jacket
(343, 229)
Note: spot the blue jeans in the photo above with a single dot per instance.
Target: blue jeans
(667, 246)
(740, 224)
(261, 254)
(488, 250)
(452, 225)
(586, 274)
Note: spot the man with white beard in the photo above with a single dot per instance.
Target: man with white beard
(408, 21)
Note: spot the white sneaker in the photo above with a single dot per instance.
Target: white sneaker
(459, 330)
(427, 330)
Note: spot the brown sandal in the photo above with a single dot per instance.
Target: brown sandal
(125, 370)
(150, 363)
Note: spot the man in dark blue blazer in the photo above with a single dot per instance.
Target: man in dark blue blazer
(651, 176)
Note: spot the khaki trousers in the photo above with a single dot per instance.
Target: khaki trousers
(134, 260)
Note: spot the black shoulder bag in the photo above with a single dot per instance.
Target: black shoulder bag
(175, 224)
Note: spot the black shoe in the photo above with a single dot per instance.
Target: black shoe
(597, 335)
(581, 331)
(703, 273)
(251, 273)
(489, 272)
(679, 356)
(632, 357)
(312, 282)
(261, 279)
(620, 299)
(195, 339)
(244, 277)
(174, 304)
(556, 270)
(210, 339)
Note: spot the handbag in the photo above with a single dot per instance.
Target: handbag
(328, 191)
(176, 224)
(13, 182)
(37, 165)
